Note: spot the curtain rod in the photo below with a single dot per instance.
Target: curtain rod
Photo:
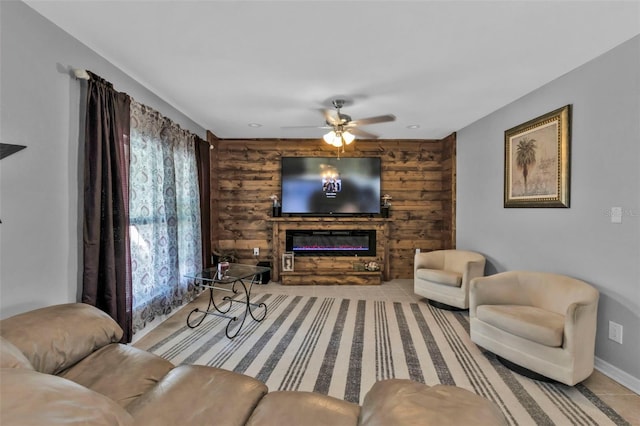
(81, 74)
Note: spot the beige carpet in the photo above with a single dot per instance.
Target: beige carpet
(341, 346)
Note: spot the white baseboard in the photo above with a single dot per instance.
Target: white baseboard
(622, 377)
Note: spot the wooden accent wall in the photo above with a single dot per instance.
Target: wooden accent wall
(418, 174)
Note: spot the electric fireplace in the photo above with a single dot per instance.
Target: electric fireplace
(350, 242)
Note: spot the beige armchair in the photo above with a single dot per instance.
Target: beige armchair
(543, 322)
(443, 276)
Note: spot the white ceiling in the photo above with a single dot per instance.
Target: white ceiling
(438, 64)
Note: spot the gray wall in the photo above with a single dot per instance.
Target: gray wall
(39, 203)
(579, 241)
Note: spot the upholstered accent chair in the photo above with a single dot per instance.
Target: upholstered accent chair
(542, 322)
(443, 276)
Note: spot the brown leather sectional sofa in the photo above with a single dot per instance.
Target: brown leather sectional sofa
(63, 365)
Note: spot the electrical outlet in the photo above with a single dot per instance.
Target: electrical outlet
(615, 332)
(256, 251)
(417, 251)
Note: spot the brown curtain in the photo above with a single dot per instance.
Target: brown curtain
(107, 260)
(204, 178)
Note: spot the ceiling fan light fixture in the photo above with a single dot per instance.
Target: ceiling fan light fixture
(330, 137)
(348, 137)
(338, 138)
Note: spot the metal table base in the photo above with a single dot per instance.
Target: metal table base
(234, 279)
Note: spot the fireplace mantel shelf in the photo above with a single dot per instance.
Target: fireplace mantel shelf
(330, 219)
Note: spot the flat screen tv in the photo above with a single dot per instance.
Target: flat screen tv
(320, 186)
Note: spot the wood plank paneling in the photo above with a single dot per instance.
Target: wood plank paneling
(418, 174)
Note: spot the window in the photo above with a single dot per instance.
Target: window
(164, 215)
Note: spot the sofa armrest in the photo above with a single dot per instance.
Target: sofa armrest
(472, 269)
(198, 395)
(580, 323)
(405, 402)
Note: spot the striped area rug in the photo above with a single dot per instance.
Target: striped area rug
(340, 347)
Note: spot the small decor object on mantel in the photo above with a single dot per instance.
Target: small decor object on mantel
(372, 266)
(287, 262)
(276, 209)
(386, 205)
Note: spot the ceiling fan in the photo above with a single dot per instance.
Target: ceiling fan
(344, 129)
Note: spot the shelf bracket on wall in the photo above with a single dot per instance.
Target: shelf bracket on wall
(7, 149)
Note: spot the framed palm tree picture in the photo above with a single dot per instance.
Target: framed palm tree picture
(536, 161)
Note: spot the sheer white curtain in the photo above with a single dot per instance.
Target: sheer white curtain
(164, 215)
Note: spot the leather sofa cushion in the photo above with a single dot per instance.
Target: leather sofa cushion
(11, 357)
(120, 372)
(56, 337)
(438, 276)
(198, 395)
(531, 323)
(303, 408)
(404, 402)
(32, 398)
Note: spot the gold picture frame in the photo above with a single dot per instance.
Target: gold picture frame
(536, 161)
(287, 262)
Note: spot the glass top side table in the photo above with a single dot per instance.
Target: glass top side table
(238, 278)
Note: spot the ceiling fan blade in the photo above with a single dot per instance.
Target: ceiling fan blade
(307, 127)
(373, 120)
(330, 118)
(361, 133)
